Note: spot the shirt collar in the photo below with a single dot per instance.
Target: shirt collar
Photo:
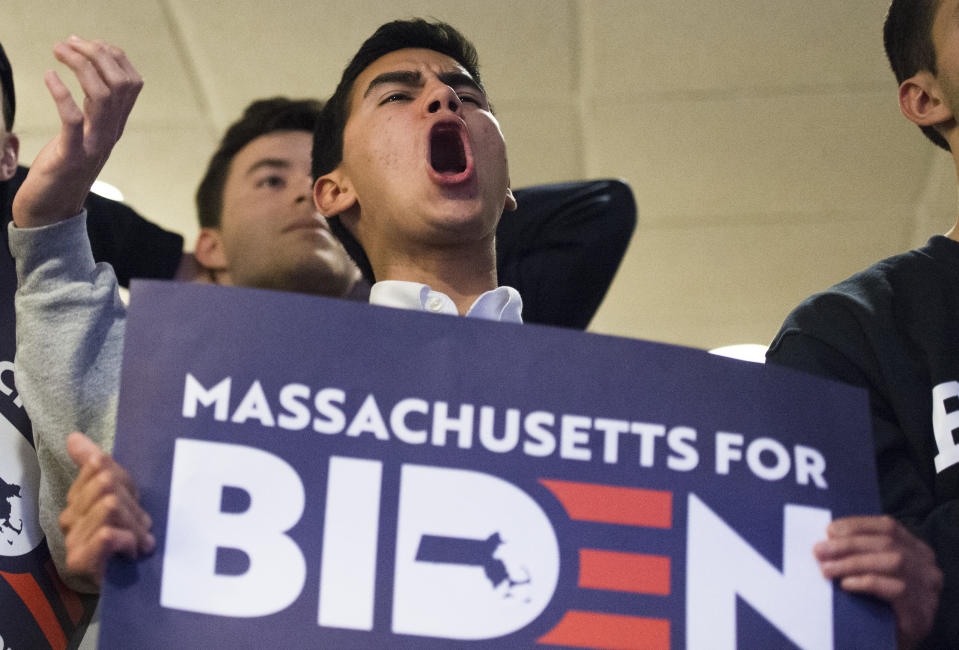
(501, 304)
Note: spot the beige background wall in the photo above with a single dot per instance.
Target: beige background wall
(762, 139)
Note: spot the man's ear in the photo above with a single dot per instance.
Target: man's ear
(510, 200)
(333, 193)
(922, 101)
(9, 154)
(209, 250)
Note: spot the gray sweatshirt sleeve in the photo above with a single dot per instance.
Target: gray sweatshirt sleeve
(70, 326)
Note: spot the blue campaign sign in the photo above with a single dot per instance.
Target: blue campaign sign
(330, 474)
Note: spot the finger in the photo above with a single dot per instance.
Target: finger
(103, 56)
(887, 588)
(95, 468)
(115, 511)
(107, 111)
(114, 472)
(868, 525)
(89, 457)
(97, 79)
(124, 62)
(71, 117)
(111, 511)
(132, 88)
(91, 468)
(111, 479)
(100, 477)
(81, 449)
(114, 68)
(90, 556)
(839, 547)
(889, 563)
(82, 67)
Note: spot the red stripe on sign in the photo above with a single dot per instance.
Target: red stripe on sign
(594, 630)
(614, 505)
(632, 572)
(69, 598)
(32, 596)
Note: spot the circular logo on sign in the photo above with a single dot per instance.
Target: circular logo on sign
(20, 530)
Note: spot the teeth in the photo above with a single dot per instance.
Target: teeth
(447, 155)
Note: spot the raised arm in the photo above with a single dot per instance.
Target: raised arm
(562, 247)
(70, 319)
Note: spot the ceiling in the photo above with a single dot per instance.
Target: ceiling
(762, 139)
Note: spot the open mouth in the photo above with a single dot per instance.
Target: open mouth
(447, 149)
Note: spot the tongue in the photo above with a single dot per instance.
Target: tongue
(446, 152)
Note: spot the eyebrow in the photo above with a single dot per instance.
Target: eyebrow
(275, 163)
(414, 78)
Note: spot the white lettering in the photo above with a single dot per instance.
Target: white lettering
(487, 433)
(728, 448)
(326, 405)
(297, 415)
(543, 441)
(680, 441)
(754, 458)
(9, 389)
(810, 464)
(398, 420)
(443, 423)
(254, 406)
(350, 528)
(647, 440)
(368, 420)
(574, 437)
(945, 423)
(721, 566)
(611, 429)
(197, 528)
(219, 396)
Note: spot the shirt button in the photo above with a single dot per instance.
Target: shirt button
(434, 304)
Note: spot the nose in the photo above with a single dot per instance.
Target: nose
(304, 190)
(442, 96)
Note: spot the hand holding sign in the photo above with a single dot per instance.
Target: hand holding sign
(102, 516)
(66, 167)
(879, 557)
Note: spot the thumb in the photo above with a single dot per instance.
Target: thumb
(81, 449)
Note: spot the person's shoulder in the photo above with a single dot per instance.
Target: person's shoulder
(872, 300)
(939, 252)
(880, 286)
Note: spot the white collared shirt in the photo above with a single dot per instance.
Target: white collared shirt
(501, 304)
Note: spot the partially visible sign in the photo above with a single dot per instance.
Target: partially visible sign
(322, 473)
(36, 609)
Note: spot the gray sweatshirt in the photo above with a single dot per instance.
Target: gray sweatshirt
(70, 327)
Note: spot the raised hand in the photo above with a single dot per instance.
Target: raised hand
(66, 167)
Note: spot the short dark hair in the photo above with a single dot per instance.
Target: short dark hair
(397, 35)
(6, 85)
(907, 35)
(261, 117)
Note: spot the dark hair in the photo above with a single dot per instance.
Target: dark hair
(6, 85)
(397, 35)
(260, 118)
(907, 35)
